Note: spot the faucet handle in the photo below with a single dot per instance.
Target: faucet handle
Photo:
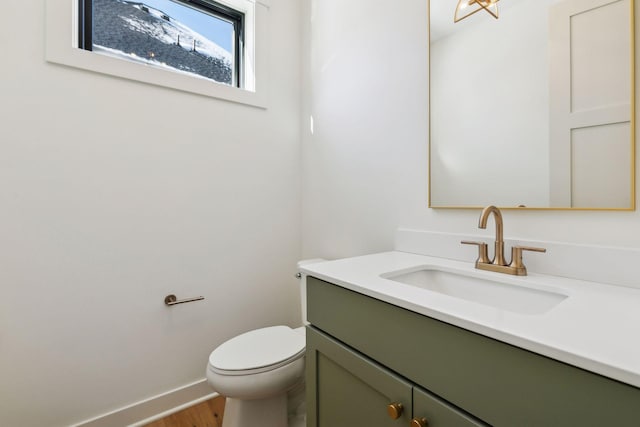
(483, 251)
(516, 258)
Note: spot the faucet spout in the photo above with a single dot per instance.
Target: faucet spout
(499, 244)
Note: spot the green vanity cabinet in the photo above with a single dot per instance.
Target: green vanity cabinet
(361, 352)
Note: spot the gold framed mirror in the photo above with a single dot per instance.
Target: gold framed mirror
(534, 110)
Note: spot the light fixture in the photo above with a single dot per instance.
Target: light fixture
(467, 8)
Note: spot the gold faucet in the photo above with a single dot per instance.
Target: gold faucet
(499, 244)
(499, 264)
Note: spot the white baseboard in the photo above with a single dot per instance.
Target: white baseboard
(154, 408)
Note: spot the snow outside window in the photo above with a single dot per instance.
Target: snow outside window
(199, 38)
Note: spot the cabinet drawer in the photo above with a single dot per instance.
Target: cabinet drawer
(496, 382)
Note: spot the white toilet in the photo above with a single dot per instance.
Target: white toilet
(261, 373)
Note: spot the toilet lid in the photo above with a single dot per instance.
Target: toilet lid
(258, 349)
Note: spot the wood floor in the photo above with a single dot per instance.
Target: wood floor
(206, 414)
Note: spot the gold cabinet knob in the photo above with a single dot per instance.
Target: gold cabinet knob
(395, 410)
(419, 422)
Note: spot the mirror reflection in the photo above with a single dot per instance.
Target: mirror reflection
(533, 109)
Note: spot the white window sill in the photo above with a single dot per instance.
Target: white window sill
(61, 48)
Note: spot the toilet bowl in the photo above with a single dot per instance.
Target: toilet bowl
(261, 373)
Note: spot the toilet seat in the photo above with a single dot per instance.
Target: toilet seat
(257, 351)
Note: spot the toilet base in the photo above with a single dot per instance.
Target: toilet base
(270, 412)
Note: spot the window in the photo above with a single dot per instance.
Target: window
(65, 44)
(194, 37)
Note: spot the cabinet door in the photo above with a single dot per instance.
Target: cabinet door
(344, 389)
(438, 413)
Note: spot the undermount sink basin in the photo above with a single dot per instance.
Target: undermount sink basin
(500, 293)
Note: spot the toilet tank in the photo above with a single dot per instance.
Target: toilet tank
(303, 286)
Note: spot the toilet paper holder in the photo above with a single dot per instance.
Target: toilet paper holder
(173, 300)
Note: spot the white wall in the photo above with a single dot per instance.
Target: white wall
(365, 165)
(114, 194)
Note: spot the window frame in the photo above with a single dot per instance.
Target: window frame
(61, 47)
(209, 7)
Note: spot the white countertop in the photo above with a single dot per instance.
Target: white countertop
(596, 328)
